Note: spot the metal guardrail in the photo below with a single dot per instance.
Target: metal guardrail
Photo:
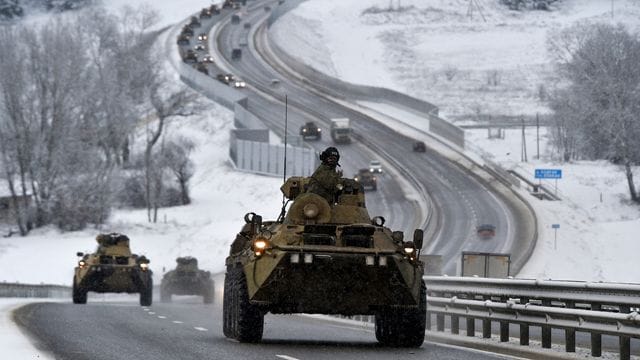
(572, 306)
(16, 290)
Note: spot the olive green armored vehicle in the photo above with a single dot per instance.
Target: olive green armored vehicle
(187, 279)
(112, 268)
(325, 259)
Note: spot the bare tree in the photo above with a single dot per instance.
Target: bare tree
(176, 155)
(601, 92)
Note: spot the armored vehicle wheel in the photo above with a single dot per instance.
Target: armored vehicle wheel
(207, 296)
(146, 294)
(242, 320)
(165, 295)
(79, 294)
(403, 327)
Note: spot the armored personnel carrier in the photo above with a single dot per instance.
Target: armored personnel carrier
(112, 268)
(325, 258)
(187, 279)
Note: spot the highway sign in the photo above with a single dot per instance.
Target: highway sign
(548, 173)
(555, 226)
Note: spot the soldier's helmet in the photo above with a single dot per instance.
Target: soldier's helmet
(328, 153)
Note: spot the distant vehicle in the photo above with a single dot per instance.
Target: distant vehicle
(205, 13)
(275, 82)
(225, 78)
(202, 67)
(183, 39)
(194, 22)
(231, 80)
(187, 279)
(215, 10)
(190, 57)
(226, 4)
(341, 130)
(375, 167)
(236, 54)
(419, 146)
(237, 83)
(112, 268)
(199, 47)
(486, 231)
(310, 130)
(207, 59)
(366, 179)
(247, 25)
(267, 8)
(187, 30)
(235, 19)
(202, 37)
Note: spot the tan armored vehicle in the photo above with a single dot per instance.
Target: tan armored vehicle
(187, 279)
(326, 259)
(112, 268)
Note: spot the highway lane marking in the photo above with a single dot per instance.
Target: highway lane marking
(200, 328)
(151, 313)
(161, 317)
(145, 309)
(286, 357)
(177, 322)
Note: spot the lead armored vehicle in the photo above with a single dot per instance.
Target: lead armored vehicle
(112, 268)
(325, 258)
(187, 279)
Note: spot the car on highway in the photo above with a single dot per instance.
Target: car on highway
(366, 178)
(202, 37)
(205, 13)
(207, 58)
(199, 47)
(190, 56)
(194, 22)
(202, 67)
(183, 39)
(311, 131)
(375, 166)
(419, 146)
(486, 231)
(215, 10)
(236, 54)
(239, 84)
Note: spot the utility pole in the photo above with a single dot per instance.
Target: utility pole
(523, 153)
(537, 136)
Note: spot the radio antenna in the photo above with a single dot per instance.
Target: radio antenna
(284, 174)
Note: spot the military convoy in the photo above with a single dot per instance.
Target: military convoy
(366, 179)
(325, 259)
(187, 279)
(310, 130)
(112, 268)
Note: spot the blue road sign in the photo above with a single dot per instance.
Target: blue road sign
(555, 226)
(548, 174)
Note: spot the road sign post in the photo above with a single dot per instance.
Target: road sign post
(555, 228)
(549, 174)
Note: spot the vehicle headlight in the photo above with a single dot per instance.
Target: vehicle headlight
(144, 266)
(260, 245)
(319, 130)
(82, 263)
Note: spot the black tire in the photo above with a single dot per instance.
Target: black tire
(227, 326)
(243, 320)
(79, 294)
(403, 327)
(146, 293)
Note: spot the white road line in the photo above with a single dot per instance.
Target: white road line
(161, 317)
(286, 357)
(145, 309)
(151, 313)
(177, 322)
(200, 328)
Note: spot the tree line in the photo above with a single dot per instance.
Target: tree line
(596, 104)
(83, 109)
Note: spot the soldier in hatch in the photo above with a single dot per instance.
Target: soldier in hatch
(324, 180)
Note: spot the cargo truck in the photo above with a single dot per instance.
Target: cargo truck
(341, 130)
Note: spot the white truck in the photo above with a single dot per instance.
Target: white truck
(341, 130)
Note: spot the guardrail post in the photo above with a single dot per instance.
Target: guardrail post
(596, 339)
(471, 326)
(570, 334)
(440, 322)
(428, 322)
(625, 341)
(455, 324)
(546, 330)
(504, 331)
(486, 324)
(524, 328)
